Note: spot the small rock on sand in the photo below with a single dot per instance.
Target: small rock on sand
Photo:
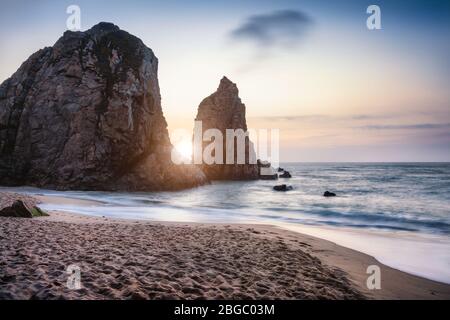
(21, 209)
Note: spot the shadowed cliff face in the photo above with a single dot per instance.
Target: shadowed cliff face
(224, 110)
(86, 114)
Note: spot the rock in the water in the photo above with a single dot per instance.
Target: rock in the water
(20, 209)
(282, 187)
(86, 114)
(269, 176)
(224, 110)
(280, 169)
(286, 174)
(263, 164)
(266, 171)
(329, 194)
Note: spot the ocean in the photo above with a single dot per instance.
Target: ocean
(397, 212)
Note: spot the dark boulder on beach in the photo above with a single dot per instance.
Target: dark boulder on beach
(280, 169)
(282, 187)
(86, 114)
(286, 174)
(20, 209)
(329, 194)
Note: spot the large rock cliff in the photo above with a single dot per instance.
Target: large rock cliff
(86, 114)
(224, 110)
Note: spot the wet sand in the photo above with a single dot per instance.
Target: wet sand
(126, 259)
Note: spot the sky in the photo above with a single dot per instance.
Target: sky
(336, 90)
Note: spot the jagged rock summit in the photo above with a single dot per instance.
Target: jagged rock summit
(224, 110)
(86, 114)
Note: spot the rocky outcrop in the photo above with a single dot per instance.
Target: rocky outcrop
(224, 110)
(86, 114)
(266, 171)
(20, 209)
(282, 187)
(286, 174)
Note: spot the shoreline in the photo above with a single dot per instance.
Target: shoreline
(305, 267)
(384, 245)
(381, 244)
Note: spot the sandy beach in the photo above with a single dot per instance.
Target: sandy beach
(129, 259)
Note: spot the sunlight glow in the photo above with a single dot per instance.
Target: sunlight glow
(184, 148)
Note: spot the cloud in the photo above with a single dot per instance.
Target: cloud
(406, 126)
(293, 117)
(279, 28)
(324, 117)
(373, 116)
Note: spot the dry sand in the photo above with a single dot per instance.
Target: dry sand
(7, 199)
(125, 259)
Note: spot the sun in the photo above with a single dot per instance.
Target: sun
(184, 149)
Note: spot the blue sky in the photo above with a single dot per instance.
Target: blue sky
(336, 90)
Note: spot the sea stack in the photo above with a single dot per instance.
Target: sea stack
(86, 114)
(224, 110)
